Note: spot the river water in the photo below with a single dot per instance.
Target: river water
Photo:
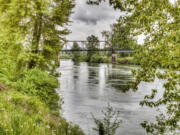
(88, 88)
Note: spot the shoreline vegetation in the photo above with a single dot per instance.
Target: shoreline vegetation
(22, 114)
(29, 49)
(32, 33)
(31, 106)
(128, 60)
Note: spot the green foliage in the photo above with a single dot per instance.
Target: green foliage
(66, 56)
(119, 37)
(96, 58)
(93, 44)
(33, 24)
(76, 55)
(125, 60)
(27, 115)
(159, 22)
(83, 57)
(35, 82)
(110, 122)
(31, 36)
(106, 59)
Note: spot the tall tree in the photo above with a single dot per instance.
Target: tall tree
(76, 54)
(159, 21)
(92, 45)
(37, 28)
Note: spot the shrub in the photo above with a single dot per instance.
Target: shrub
(66, 56)
(106, 59)
(125, 60)
(96, 58)
(38, 83)
(110, 122)
(83, 57)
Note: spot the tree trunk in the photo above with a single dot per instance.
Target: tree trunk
(36, 39)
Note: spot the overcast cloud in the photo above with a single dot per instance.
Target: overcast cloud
(88, 20)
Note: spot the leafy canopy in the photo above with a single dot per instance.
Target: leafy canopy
(159, 22)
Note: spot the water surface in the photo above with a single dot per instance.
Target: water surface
(88, 88)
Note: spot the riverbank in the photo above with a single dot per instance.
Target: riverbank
(30, 105)
(104, 59)
(23, 114)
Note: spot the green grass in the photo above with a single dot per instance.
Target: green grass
(27, 115)
(36, 82)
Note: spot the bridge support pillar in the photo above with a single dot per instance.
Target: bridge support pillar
(114, 58)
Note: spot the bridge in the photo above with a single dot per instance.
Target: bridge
(97, 50)
(111, 49)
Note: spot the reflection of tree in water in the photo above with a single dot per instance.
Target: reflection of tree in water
(118, 80)
(76, 71)
(76, 63)
(93, 76)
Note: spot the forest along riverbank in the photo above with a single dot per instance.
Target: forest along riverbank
(104, 59)
(88, 88)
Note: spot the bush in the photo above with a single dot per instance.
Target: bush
(76, 56)
(38, 83)
(27, 115)
(110, 122)
(106, 59)
(125, 60)
(96, 58)
(66, 56)
(83, 57)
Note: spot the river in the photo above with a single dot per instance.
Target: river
(88, 88)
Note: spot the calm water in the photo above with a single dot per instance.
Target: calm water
(88, 88)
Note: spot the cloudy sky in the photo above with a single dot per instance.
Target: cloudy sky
(87, 20)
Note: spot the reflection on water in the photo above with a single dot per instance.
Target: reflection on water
(88, 88)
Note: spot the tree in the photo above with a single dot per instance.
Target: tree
(76, 54)
(159, 22)
(92, 45)
(119, 37)
(31, 35)
(37, 27)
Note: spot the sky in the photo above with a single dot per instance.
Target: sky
(88, 20)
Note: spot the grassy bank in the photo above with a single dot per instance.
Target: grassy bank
(30, 106)
(27, 115)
